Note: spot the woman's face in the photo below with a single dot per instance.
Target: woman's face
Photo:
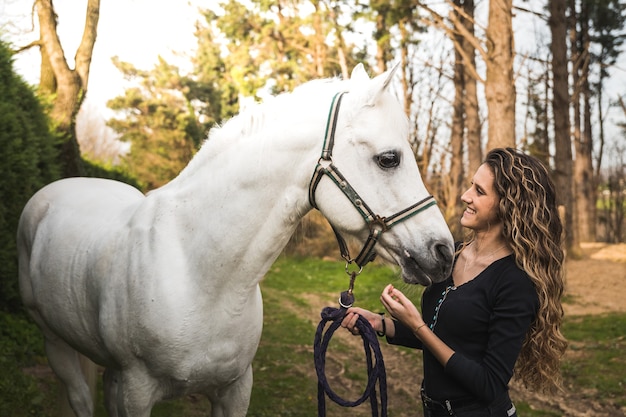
(481, 213)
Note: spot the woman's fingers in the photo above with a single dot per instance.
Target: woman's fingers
(349, 322)
(393, 299)
(399, 305)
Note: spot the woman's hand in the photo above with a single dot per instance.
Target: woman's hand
(352, 315)
(400, 307)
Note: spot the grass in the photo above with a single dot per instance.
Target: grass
(595, 366)
(289, 283)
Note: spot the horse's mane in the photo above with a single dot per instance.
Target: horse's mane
(254, 118)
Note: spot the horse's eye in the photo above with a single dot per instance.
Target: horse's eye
(386, 160)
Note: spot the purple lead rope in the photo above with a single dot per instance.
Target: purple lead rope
(375, 370)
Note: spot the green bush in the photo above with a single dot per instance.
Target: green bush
(27, 163)
(21, 345)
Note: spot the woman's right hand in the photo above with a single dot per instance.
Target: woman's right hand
(375, 320)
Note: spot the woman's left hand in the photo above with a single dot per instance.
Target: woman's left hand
(400, 307)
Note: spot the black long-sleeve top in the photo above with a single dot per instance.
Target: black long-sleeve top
(484, 321)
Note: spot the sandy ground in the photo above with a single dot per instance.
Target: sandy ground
(597, 283)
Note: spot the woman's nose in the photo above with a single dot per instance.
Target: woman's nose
(465, 197)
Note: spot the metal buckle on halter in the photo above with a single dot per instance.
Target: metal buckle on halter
(379, 221)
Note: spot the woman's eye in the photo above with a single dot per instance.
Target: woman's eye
(388, 160)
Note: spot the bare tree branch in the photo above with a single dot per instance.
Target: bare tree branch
(85, 49)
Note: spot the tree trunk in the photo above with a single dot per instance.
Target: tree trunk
(560, 104)
(586, 190)
(499, 86)
(452, 182)
(576, 60)
(405, 70)
(47, 80)
(472, 113)
(71, 84)
(587, 208)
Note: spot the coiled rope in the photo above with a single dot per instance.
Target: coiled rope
(375, 370)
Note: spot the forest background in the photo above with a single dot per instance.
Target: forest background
(467, 82)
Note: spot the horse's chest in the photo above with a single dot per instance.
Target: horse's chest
(195, 363)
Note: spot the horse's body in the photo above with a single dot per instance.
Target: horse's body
(162, 290)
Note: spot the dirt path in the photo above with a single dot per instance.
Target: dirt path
(597, 283)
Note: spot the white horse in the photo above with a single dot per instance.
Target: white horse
(163, 289)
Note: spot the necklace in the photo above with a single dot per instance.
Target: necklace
(470, 264)
(444, 294)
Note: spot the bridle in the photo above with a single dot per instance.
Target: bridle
(377, 224)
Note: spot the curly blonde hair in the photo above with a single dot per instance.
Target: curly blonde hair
(533, 229)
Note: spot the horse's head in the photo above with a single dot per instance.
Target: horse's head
(369, 169)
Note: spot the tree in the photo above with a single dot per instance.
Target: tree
(67, 86)
(500, 83)
(560, 109)
(497, 50)
(470, 81)
(537, 141)
(607, 19)
(465, 126)
(210, 87)
(600, 25)
(160, 123)
(98, 142)
(273, 46)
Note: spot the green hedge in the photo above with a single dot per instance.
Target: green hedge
(27, 162)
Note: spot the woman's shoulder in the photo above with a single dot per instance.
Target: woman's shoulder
(509, 266)
(509, 277)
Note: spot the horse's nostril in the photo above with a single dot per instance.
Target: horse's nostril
(444, 254)
(443, 251)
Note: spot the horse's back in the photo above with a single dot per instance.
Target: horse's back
(75, 203)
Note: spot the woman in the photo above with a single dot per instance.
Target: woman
(500, 310)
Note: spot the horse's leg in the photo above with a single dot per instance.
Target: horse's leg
(65, 363)
(110, 387)
(136, 392)
(233, 400)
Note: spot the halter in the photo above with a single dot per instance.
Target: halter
(376, 223)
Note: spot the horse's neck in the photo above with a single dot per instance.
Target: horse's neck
(237, 209)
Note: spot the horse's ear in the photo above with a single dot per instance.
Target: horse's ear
(359, 73)
(379, 84)
(388, 75)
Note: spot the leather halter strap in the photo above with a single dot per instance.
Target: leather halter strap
(376, 223)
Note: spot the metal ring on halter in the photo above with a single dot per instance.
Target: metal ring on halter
(351, 261)
(343, 305)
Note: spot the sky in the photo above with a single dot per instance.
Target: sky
(137, 31)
